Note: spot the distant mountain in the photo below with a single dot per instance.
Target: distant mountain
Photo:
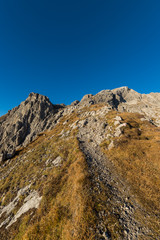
(89, 170)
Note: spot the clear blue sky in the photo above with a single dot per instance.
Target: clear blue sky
(65, 49)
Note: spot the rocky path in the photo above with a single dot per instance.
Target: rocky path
(102, 170)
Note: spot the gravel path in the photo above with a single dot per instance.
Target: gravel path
(102, 170)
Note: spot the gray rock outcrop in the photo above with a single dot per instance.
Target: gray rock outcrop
(126, 99)
(112, 97)
(22, 124)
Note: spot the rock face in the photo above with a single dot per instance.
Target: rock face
(22, 124)
(126, 99)
(113, 97)
(36, 114)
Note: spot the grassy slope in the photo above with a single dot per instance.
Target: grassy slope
(67, 209)
(69, 206)
(136, 155)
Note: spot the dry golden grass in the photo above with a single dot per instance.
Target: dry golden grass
(67, 207)
(69, 213)
(3, 117)
(136, 155)
(71, 203)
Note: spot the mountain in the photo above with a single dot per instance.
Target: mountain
(89, 170)
(22, 124)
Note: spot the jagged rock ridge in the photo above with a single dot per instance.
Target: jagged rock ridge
(36, 114)
(21, 125)
(126, 99)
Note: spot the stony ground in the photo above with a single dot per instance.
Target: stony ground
(92, 131)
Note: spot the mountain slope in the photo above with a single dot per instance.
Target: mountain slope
(94, 174)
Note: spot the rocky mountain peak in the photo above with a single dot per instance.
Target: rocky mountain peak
(36, 114)
(111, 97)
(22, 124)
(34, 97)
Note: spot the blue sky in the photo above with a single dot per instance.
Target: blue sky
(66, 49)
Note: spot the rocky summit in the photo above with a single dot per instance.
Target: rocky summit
(89, 170)
(22, 124)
